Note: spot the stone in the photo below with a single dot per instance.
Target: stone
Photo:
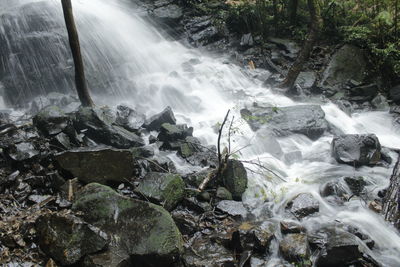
(291, 227)
(129, 118)
(380, 103)
(140, 230)
(67, 239)
(303, 205)
(233, 208)
(223, 193)
(356, 184)
(306, 80)
(253, 236)
(295, 248)
(395, 93)
(334, 188)
(101, 165)
(51, 120)
(162, 188)
(348, 63)
(282, 121)
(368, 91)
(169, 14)
(234, 178)
(288, 45)
(356, 150)
(99, 125)
(22, 151)
(247, 40)
(166, 116)
(171, 133)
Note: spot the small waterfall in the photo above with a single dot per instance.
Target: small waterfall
(128, 59)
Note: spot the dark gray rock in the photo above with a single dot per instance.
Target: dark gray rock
(305, 119)
(169, 14)
(163, 188)
(98, 124)
(295, 248)
(348, 63)
(334, 188)
(142, 232)
(129, 118)
(306, 80)
(254, 236)
(291, 227)
(395, 93)
(356, 149)
(380, 103)
(67, 239)
(223, 193)
(166, 116)
(356, 184)
(234, 178)
(173, 133)
(303, 205)
(247, 40)
(51, 120)
(285, 44)
(233, 208)
(22, 151)
(101, 165)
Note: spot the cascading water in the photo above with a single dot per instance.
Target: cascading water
(128, 59)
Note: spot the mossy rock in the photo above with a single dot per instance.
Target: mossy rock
(162, 188)
(234, 178)
(139, 229)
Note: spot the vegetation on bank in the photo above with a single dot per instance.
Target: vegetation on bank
(370, 24)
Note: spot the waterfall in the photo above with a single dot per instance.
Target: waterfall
(128, 60)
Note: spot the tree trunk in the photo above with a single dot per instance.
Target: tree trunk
(305, 52)
(396, 19)
(293, 6)
(80, 81)
(391, 203)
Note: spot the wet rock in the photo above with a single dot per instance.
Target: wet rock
(100, 165)
(166, 116)
(234, 178)
(348, 63)
(306, 80)
(223, 193)
(51, 120)
(395, 93)
(22, 151)
(337, 247)
(98, 124)
(360, 234)
(206, 157)
(171, 133)
(195, 179)
(356, 184)
(285, 44)
(61, 142)
(169, 14)
(189, 147)
(162, 188)
(203, 252)
(291, 227)
(247, 40)
(282, 121)
(129, 118)
(141, 230)
(356, 149)
(334, 188)
(303, 205)
(367, 91)
(295, 248)
(233, 208)
(67, 239)
(143, 152)
(64, 102)
(205, 36)
(186, 222)
(380, 103)
(195, 205)
(255, 237)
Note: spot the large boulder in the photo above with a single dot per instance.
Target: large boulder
(348, 63)
(282, 121)
(129, 118)
(234, 178)
(99, 125)
(165, 189)
(337, 247)
(169, 14)
(142, 233)
(101, 165)
(356, 149)
(67, 239)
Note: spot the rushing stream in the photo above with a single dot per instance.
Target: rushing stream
(128, 61)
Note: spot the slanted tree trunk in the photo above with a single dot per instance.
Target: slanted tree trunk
(305, 52)
(391, 202)
(292, 11)
(80, 81)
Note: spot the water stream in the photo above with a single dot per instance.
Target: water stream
(129, 61)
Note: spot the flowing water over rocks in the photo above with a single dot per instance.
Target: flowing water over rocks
(301, 203)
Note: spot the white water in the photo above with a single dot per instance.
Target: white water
(153, 78)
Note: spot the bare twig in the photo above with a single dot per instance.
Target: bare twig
(261, 166)
(219, 137)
